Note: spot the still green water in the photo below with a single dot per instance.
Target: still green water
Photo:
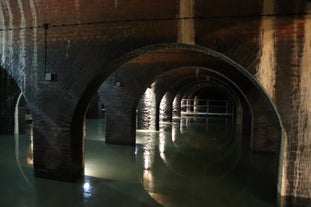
(191, 162)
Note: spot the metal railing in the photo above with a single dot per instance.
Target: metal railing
(206, 107)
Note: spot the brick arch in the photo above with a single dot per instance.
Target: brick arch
(216, 57)
(149, 49)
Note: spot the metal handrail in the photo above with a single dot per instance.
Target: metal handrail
(206, 107)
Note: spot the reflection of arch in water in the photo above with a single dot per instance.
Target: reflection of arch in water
(220, 131)
(203, 161)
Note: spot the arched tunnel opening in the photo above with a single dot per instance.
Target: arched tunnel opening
(212, 145)
(9, 95)
(210, 101)
(16, 135)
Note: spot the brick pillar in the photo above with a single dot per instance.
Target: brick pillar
(120, 126)
(166, 107)
(266, 127)
(142, 115)
(147, 111)
(294, 90)
(177, 106)
(120, 110)
(57, 155)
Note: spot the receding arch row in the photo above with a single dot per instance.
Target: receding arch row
(146, 68)
(196, 79)
(200, 57)
(59, 155)
(230, 88)
(169, 86)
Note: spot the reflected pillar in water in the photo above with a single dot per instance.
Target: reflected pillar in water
(203, 146)
(163, 139)
(148, 158)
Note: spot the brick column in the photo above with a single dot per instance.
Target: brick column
(120, 127)
(167, 107)
(177, 106)
(57, 155)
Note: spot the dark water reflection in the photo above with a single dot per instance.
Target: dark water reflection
(203, 162)
(191, 162)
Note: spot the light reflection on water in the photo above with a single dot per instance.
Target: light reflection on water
(197, 160)
(29, 154)
(201, 163)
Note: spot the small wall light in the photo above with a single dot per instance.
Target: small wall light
(50, 77)
(119, 84)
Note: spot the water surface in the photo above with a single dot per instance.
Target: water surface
(191, 162)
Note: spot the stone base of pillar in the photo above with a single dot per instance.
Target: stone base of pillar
(61, 175)
(293, 201)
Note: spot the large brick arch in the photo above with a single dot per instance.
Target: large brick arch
(230, 69)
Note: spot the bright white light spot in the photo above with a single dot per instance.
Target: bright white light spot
(87, 190)
(86, 186)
